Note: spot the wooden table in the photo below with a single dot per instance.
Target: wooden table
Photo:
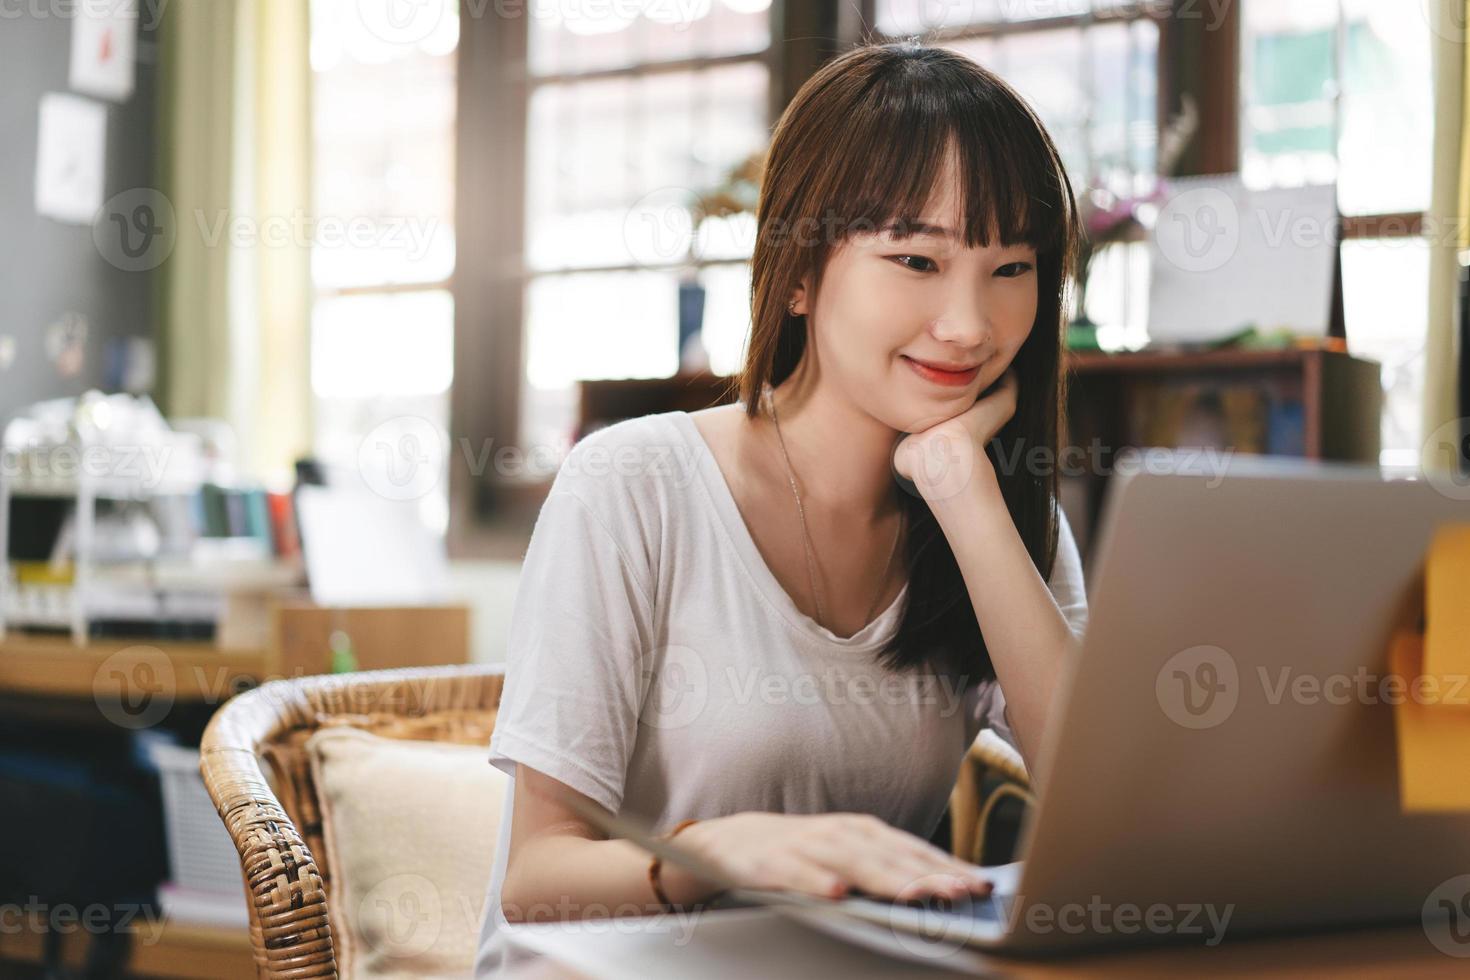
(1394, 952)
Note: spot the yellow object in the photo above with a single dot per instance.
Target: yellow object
(44, 573)
(1433, 715)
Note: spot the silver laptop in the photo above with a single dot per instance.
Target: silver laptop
(1222, 756)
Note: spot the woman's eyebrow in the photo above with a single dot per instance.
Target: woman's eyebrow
(901, 230)
(913, 229)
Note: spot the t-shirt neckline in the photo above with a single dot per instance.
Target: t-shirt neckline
(718, 492)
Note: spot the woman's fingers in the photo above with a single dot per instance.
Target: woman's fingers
(828, 855)
(891, 839)
(942, 860)
(888, 862)
(990, 413)
(869, 871)
(928, 876)
(921, 860)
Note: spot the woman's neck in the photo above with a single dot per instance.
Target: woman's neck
(842, 456)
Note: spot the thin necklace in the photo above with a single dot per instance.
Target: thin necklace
(806, 538)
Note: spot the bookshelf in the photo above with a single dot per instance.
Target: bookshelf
(298, 644)
(1309, 402)
(1341, 396)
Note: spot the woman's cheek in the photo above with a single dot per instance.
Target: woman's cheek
(1020, 319)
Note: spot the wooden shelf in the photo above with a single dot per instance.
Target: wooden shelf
(185, 950)
(625, 398)
(1228, 359)
(199, 672)
(160, 949)
(54, 667)
(1341, 395)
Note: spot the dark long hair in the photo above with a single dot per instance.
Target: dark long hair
(862, 144)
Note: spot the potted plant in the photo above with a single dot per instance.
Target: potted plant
(1108, 218)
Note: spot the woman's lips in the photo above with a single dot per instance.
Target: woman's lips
(939, 376)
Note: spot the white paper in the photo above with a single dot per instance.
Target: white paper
(363, 550)
(1225, 257)
(71, 150)
(104, 39)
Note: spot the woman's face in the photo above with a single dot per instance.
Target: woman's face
(897, 309)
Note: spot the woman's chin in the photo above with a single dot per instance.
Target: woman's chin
(927, 417)
(929, 409)
(915, 411)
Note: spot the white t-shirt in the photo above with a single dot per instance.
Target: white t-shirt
(656, 664)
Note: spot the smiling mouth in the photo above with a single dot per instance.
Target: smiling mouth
(939, 375)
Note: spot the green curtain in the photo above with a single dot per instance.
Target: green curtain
(196, 91)
(1448, 211)
(235, 152)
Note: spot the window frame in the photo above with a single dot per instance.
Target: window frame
(642, 70)
(491, 518)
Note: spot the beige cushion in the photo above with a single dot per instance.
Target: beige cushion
(409, 829)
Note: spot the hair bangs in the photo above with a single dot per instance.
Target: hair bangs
(1012, 189)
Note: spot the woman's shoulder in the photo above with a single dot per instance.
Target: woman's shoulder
(630, 463)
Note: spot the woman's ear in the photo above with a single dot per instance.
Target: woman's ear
(797, 303)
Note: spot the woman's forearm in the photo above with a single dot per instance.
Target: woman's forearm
(565, 876)
(1025, 631)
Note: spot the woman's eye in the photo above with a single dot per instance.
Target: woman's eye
(1013, 269)
(916, 258)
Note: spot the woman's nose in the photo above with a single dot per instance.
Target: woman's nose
(965, 324)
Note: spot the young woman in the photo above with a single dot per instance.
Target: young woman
(694, 637)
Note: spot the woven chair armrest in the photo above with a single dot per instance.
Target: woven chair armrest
(990, 752)
(288, 911)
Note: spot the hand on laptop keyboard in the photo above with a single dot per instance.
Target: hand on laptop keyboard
(831, 856)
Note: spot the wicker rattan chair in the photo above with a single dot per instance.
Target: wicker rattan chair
(975, 798)
(255, 768)
(274, 819)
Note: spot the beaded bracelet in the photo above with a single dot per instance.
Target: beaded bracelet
(657, 863)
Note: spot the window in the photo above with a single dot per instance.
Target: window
(1346, 98)
(1090, 70)
(1342, 90)
(627, 119)
(384, 249)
